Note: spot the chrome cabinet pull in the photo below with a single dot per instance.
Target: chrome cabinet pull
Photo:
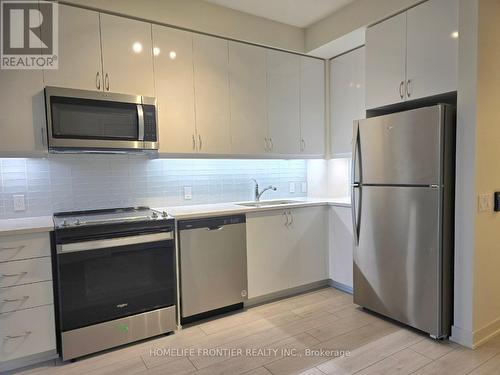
(98, 81)
(302, 144)
(14, 274)
(106, 81)
(271, 144)
(401, 89)
(285, 214)
(10, 337)
(8, 300)
(291, 218)
(194, 143)
(200, 144)
(266, 145)
(13, 248)
(408, 88)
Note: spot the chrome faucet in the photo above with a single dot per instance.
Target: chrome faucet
(258, 194)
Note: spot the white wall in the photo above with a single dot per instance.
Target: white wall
(328, 178)
(206, 17)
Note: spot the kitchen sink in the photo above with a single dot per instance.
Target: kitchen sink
(268, 203)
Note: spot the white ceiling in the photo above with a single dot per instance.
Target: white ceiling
(301, 13)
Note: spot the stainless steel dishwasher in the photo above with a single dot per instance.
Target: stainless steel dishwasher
(213, 266)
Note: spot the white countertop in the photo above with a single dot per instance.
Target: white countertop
(26, 225)
(45, 224)
(218, 209)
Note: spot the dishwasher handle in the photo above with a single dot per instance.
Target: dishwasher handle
(211, 223)
(215, 228)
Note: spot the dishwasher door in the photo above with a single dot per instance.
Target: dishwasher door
(213, 262)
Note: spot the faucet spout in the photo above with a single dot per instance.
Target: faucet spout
(258, 194)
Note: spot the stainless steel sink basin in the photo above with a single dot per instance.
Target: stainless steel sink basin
(268, 203)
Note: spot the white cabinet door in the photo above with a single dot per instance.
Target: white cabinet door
(174, 82)
(312, 106)
(127, 55)
(385, 62)
(341, 245)
(211, 84)
(268, 249)
(283, 101)
(347, 99)
(79, 51)
(432, 56)
(22, 117)
(309, 258)
(247, 77)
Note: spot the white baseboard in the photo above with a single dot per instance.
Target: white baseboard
(30, 360)
(462, 337)
(285, 293)
(340, 286)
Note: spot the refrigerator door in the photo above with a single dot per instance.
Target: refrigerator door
(397, 262)
(401, 148)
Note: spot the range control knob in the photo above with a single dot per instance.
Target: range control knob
(78, 222)
(64, 223)
(164, 214)
(154, 215)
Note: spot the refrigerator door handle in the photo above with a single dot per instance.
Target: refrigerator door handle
(355, 185)
(355, 224)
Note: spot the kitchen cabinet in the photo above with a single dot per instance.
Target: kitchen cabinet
(283, 97)
(127, 55)
(174, 83)
(413, 54)
(79, 58)
(286, 249)
(385, 62)
(347, 99)
(432, 48)
(341, 245)
(312, 106)
(22, 118)
(211, 83)
(248, 99)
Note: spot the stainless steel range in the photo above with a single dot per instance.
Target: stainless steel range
(115, 280)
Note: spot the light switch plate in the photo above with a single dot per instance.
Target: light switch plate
(292, 187)
(19, 202)
(188, 193)
(303, 187)
(484, 202)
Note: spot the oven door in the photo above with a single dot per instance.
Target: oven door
(92, 120)
(108, 279)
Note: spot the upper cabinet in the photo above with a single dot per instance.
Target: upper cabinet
(79, 51)
(312, 106)
(347, 99)
(413, 55)
(211, 91)
(248, 99)
(174, 83)
(283, 80)
(432, 52)
(385, 62)
(127, 55)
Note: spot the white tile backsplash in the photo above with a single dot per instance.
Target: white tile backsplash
(80, 182)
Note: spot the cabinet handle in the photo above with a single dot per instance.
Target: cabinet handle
(271, 143)
(14, 274)
(10, 337)
(13, 248)
(408, 88)
(291, 218)
(302, 144)
(266, 145)
(401, 89)
(106, 81)
(194, 143)
(285, 214)
(6, 300)
(200, 144)
(98, 81)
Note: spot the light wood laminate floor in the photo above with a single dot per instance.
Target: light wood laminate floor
(298, 335)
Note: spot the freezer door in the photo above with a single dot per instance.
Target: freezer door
(402, 148)
(397, 262)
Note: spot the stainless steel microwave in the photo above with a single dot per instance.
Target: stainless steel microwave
(93, 121)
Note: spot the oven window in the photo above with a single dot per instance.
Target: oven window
(75, 118)
(101, 285)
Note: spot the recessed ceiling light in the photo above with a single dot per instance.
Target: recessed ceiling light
(454, 35)
(137, 47)
(172, 55)
(156, 51)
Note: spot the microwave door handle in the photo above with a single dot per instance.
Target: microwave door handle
(140, 118)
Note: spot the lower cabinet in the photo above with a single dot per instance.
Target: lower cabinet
(341, 245)
(286, 249)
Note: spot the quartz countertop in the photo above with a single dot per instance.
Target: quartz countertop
(26, 225)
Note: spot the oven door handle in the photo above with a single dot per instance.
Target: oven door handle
(113, 242)
(140, 120)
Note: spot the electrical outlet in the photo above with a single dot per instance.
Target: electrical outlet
(292, 187)
(19, 202)
(303, 187)
(188, 193)
(484, 202)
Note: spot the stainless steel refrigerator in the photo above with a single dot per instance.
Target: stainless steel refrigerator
(403, 216)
